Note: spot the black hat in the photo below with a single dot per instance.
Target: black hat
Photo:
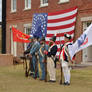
(42, 39)
(67, 36)
(53, 38)
(36, 36)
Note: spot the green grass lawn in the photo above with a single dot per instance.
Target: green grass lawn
(12, 79)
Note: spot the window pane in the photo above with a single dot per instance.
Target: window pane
(29, 3)
(45, 1)
(14, 4)
(27, 31)
(26, 3)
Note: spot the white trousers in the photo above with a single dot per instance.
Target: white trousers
(66, 71)
(51, 69)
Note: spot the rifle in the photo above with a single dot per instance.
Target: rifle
(45, 61)
(26, 69)
(36, 65)
(30, 58)
(25, 62)
(61, 75)
(61, 65)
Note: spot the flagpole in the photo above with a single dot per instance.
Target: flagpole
(22, 41)
(10, 36)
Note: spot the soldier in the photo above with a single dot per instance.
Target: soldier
(65, 58)
(43, 47)
(26, 52)
(51, 58)
(33, 53)
(29, 46)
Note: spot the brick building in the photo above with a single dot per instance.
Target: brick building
(19, 14)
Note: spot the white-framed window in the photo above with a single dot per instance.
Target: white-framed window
(13, 44)
(13, 5)
(27, 4)
(44, 3)
(27, 30)
(63, 1)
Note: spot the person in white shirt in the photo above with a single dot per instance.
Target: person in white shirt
(65, 59)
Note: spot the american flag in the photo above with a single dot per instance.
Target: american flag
(59, 23)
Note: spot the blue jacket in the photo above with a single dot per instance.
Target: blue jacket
(35, 48)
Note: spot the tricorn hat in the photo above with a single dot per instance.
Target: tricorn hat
(53, 38)
(67, 36)
(36, 36)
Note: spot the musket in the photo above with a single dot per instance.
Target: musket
(61, 64)
(45, 61)
(36, 65)
(26, 69)
(30, 58)
(61, 75)
(25, 62)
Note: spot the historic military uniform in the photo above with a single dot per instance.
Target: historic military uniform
(50, 59)
(43, 47)
(34, 52)
(64, 58)
(26, 52)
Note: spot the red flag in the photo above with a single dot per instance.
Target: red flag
(18, 36)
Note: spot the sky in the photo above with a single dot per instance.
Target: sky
(0, 10)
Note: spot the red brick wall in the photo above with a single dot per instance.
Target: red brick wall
(6, 59)
(25, 16)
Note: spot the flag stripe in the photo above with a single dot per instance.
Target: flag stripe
(60, 27)
(60, 23)
(61, 30)
(62, 19)
(60, 34)
(62, 11)
(62, 15)
(58, 42)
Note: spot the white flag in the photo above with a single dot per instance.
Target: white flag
(82, 42)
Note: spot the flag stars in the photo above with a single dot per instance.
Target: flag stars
(39, 20)
(45, 25)
(45, 15)
(41, 25)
